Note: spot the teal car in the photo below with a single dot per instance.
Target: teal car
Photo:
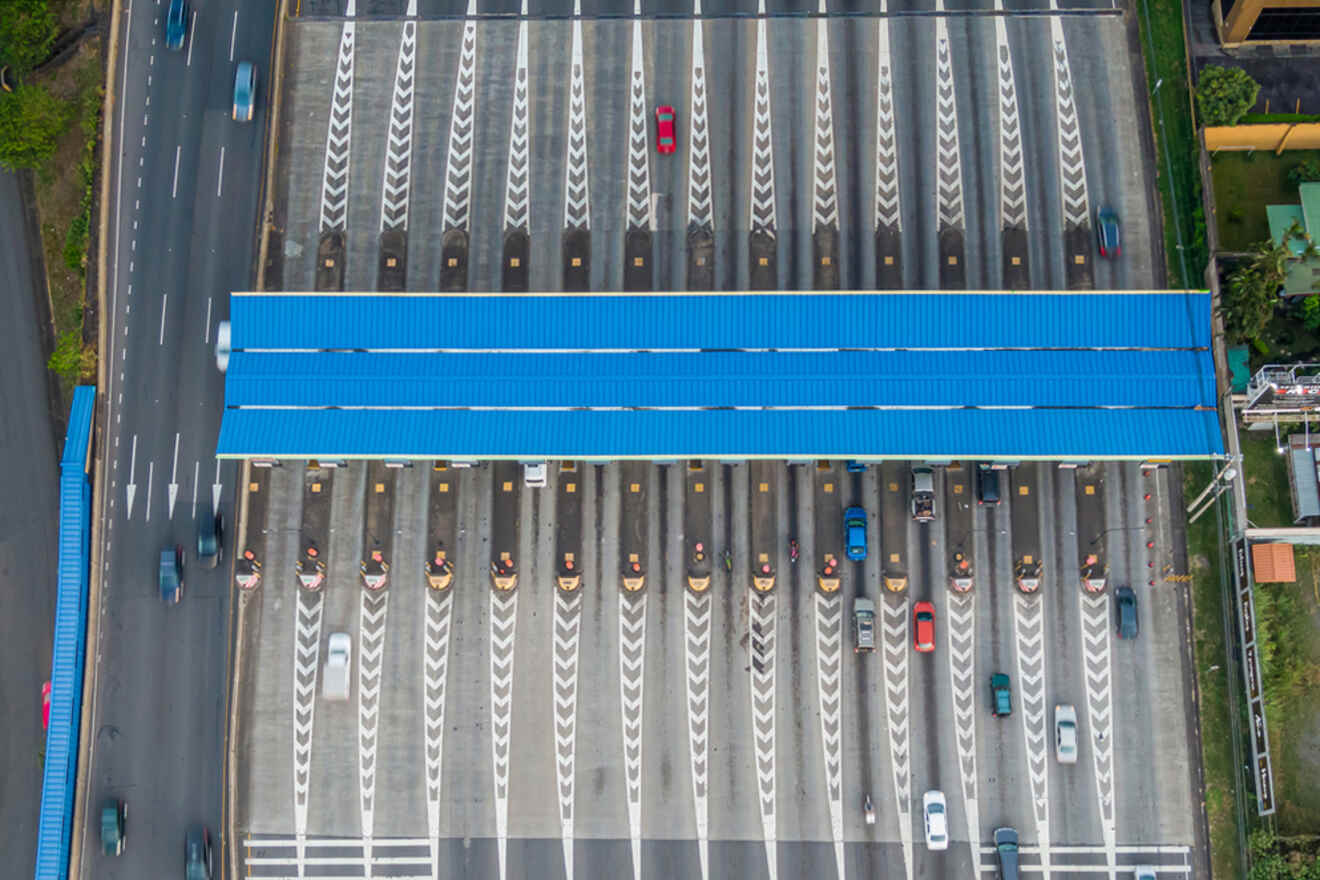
(171, 575)
(1001, 695)
(114, 812)
(854, 533)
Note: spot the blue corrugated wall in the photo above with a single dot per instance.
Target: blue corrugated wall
(60, 777)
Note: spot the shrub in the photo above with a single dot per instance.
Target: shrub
(1304, 172)
(1224, 95)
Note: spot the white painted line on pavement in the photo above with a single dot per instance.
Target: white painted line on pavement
(206, 337)
(192, 34)
(220, 175)
(174, 475)
(233, 33)
(197, 472)
(178, 154)
(164, 302)
(132, 477)
(151, 474)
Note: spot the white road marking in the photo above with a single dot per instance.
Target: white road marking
(220, 175)
(173, 487)
(700, 212)
(761, 637)
(503, 627)
(206, 335)
(164, 305)
(458, 159)
(339, 134)
(306, 657)
(1012, 174)
(192, 36)
(639, 153)
(436, 679)
(517, 185)
(696, 648)
(397, 186)
(215, 488)
(371, 654)
(825, 202)
(197, 471)
(962, 675)
(829, 686)
(1072, 166)
(567, 632)
(1029, 638)
(632, 669)
(131, 487)
(233, 35)
(763, 163)
(886, 139)
(174, 188)
(1099, 707)
(577, 188)
(898, 717)
(948, 157)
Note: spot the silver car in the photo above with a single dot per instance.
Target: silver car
(1065, 734)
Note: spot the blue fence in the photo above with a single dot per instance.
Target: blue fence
(59, 781)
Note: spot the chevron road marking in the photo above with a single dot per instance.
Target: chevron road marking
(568, 628)
(948, 157)
(632, 668)
(371, 655)
(761, 622)
(1029, 632)
(517, 186)
(398, 146)
(1012, 174)
(503, 626)
(894, 611)
(1072, 167)
(825, 202)
(338, 136)
(763, 164)
(435, 670)
(829, 683)
(458, 160)
(1099, 707)
(306, 658)
(962, 676)
(700, 211)
(696, 648)
(639, 153)
(886, 139)
(577, 189)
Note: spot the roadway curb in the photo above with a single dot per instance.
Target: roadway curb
(272, 142)
(100, 422)
(234, 668)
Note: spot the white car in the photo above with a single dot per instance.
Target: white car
(222, 346)
(1065, 734)
(534, 474)
(937, 820)
(338, 663)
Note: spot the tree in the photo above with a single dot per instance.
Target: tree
(1248, 300)
(31, 121)
(1224, 95)
(27, 31)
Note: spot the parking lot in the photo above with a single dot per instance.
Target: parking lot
(576, 680)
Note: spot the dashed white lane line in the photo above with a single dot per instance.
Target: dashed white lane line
(567, 633)
(503, 626)
(306, 656)
(339, 130)
(947, 156)
(962, 677)
(639, 153)
(1072, 167)
(517, 184)
(894, 611)
(696, 648)
(763, 164)
(458, 159)
(1029, 632)
(886, 140)
(1099, 707)
(435, 672)
(632, 667)
(761, 619)
(1012, 174)
(577, 188)
(371, 656)
(700, 212)
(825, 202)
(397, 185)
(829, 684)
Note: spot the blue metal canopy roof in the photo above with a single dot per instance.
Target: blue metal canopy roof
(797, 375)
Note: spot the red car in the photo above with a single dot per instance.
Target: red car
(665, 142)
(924, 618)
(45, 706)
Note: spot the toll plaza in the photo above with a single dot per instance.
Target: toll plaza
(568, 527)
(762, 512)
(959, 505)
(829, 524)
(698, 525)
(894, 516)
(1093, 560)
(250, 534)
(1024, 515)
(441, 525)
(318, 482)
(504, 527)
(378, 525)
(633, 531)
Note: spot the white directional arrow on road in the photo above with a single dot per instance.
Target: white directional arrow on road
(132, 479)
(215, 488)
(174, 473)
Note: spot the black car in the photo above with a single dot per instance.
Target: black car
(197, 853)
(210, 537)
(1126, 600)
(987, 485)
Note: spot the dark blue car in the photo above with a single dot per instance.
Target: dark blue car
(171, 574)
(854, 533)
(176, 24)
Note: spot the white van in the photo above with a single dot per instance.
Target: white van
(335, 680)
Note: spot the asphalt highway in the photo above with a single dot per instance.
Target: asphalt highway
(183, 217)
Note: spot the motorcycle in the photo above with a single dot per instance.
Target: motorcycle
(728, 561)
(793, 550)
(869, 809)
